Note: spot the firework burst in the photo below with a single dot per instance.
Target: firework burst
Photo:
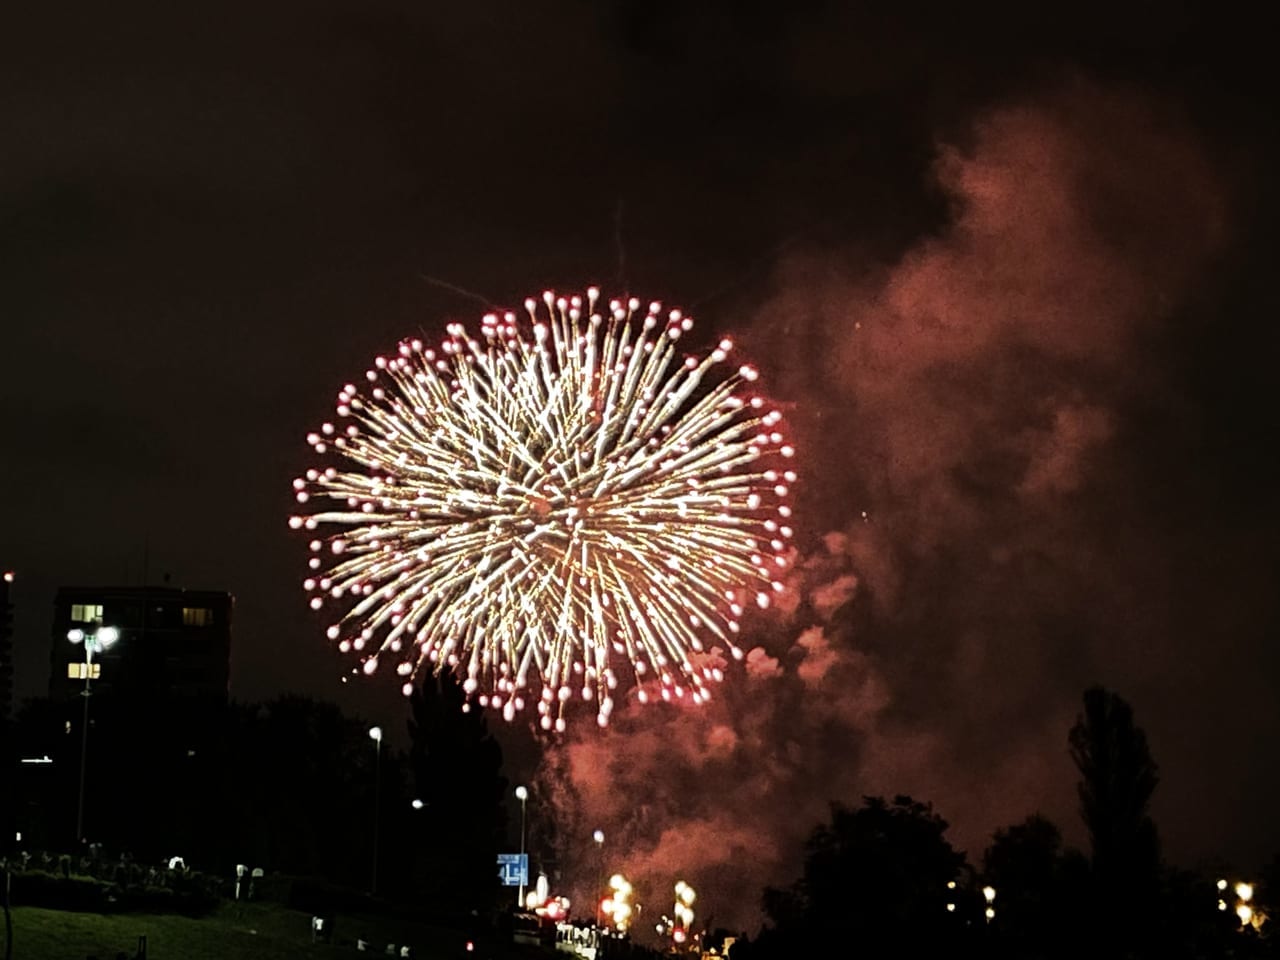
(539, 509)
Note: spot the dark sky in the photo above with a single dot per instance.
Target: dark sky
(1008, 271)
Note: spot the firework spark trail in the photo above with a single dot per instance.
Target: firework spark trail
(530, 508)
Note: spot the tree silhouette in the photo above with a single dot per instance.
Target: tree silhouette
(1040, 889)
(1117, 778)
(457, 770)
(287, 785)
(875, 877)
(298, 790)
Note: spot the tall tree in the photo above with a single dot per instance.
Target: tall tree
(1117, 779)
(457, 770)
(298, 789)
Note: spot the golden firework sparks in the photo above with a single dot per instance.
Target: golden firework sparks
(537, 507)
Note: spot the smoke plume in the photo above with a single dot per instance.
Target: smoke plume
(967, 418)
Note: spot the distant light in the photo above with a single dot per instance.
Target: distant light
(1244, 912)
(951, 908)
(988, 893)
(8, 576)
(75, 635)
(1244, 891)
(44, 759)
(598, 836)
(522, 794)
(107, 636)
(375, 733)
(1222, 884)
(991, 913)
(18, 836)
(417, 804)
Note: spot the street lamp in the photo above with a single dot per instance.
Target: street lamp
(522, 795)
(95, 640)
(375, 734)
(598, 837)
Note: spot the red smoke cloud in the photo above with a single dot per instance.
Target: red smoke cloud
(965, 413)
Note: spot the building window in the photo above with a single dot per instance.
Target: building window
(86, 612)
(197, 617)
(76, 671)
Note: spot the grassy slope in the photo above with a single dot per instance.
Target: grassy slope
(251, 932)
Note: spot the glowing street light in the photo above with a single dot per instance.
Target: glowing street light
(1245, 910)
(617, 906)
(598, 837)
(375, 734)
(989, 895)
(96, 639)
(522, 795)
(685, 897)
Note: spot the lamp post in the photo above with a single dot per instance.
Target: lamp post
(96, 639)
(375, 734)
(522, 795)
(598, 837)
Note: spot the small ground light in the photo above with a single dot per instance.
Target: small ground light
(417, 804)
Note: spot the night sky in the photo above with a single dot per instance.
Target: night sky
(1008, 272)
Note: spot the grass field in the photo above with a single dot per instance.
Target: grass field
(235, 932)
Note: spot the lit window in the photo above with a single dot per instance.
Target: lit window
(86, 612)
(197, 617)
(75, 671)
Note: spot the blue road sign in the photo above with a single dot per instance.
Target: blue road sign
(513, 868)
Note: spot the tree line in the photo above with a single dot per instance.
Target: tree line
(292, 786)
(882, 880)
(295, 787)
